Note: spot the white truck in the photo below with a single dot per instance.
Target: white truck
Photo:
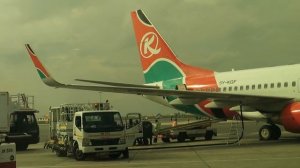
(19, 115)
(7, 150)
(80, 129)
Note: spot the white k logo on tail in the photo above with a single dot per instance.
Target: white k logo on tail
(149, 45)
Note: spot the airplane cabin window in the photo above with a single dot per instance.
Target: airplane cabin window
(272, 85)
(253, 87)
(293, 83)
(285, 84)
(259, 86)
(230, 88)
(278, 84)
(235, 88)
(224, 89)
(247, 87)
(265, 86)
(241, 88)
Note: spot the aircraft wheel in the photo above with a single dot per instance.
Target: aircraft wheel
(266, 132)
(276, 132)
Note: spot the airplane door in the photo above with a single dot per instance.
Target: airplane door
(77, 127)
(133, 128)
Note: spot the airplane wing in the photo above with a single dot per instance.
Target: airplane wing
(151, 90)
(117, 84)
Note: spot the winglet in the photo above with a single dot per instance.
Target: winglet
(43, 73)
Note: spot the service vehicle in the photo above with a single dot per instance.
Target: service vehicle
(24, 129)
(138, 131)
(191, 131)
(84, 129)
(7, 150)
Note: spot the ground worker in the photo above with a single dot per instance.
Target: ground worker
(156, 130)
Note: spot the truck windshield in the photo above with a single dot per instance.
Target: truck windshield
(23, 122)
(102, 122)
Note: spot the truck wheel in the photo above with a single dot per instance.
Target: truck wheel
(21, 146)
(209, 134)
(139, 141)
(145, 141)
(192, 138)
(165, 140)
(60, 153)
(78, 153)
(115, 155)
(126, 153)
(181, 137)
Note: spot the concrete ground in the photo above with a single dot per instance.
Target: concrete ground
(212, 154)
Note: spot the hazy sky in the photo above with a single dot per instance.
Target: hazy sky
(94, 40)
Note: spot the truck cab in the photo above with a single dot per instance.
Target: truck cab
(99, 132)
(24, 129)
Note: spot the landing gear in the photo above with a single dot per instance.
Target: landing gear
(269, 132)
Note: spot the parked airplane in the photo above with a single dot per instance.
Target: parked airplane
(270, 94)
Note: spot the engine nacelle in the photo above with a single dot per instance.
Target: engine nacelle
(290, 117)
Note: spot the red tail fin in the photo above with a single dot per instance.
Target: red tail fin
(158, 60)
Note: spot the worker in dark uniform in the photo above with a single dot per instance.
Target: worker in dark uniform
(147, 132)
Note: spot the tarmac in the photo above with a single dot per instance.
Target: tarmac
(249, 152)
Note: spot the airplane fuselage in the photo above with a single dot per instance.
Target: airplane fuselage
(280, 81)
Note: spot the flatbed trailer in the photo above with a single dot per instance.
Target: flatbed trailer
(192, 130)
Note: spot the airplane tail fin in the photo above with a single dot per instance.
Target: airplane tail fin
(42, 72)
(159, 62)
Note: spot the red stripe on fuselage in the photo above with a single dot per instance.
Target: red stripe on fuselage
(201, 80)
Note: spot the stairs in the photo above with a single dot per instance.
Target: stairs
(235, 131)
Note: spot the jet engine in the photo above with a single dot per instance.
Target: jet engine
(290, 117)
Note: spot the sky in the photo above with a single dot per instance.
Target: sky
(94, 40)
